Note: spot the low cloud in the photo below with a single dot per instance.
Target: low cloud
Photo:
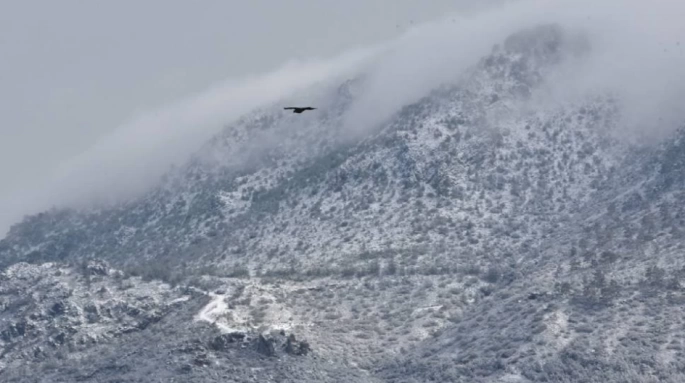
(130, 160)
(637, 52)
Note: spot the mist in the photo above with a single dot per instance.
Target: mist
(130, 160)
(72, 72)
(637, 52)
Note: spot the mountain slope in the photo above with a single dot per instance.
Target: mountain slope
(463, 159)
(477, 235)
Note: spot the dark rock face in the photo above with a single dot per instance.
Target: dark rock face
(272, 344)
(58, 309)
(265, 346)
(15, 330)
(268, 345)
(293, 347)
(202, 360)
(225, 341)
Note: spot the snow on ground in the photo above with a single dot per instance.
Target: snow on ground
(214, 311)
(249, 303)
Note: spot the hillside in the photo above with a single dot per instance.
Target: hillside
(478, 235)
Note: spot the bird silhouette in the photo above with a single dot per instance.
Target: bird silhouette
(299, 109)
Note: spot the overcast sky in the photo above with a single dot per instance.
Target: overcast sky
(73, 70)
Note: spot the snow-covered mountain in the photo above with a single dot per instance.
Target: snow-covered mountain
(477, 235)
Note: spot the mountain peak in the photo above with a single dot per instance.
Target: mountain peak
(474, 235)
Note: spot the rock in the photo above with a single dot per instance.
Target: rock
(149, 319)
(92, 313)
(60, 338)
(97, 267)
(58, 309)
(265, 346)
(16, 330)
(186, 369)
(191, 347)
(293, 347)
(222, 342)
(202, 360)
(38, 352)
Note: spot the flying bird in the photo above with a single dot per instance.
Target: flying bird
(298, 109)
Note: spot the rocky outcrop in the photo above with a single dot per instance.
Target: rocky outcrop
(49, 308)
(293, 347)
(265, 346)
(225, 341)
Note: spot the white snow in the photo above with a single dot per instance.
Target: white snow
(213, 312)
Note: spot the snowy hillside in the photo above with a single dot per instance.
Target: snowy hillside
(464, 164)
(478, 235)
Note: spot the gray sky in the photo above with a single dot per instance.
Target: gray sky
(72, 70)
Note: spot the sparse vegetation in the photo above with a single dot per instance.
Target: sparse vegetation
(451, 245)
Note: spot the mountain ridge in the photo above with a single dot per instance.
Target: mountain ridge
(477, 235)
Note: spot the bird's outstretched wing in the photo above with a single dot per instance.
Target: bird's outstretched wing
(299, 109)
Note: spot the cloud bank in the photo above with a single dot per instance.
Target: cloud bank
(128, 161)
(637, 52)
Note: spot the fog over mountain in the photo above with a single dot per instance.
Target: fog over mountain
(71, 73)
(493, 197)
(635, 53)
